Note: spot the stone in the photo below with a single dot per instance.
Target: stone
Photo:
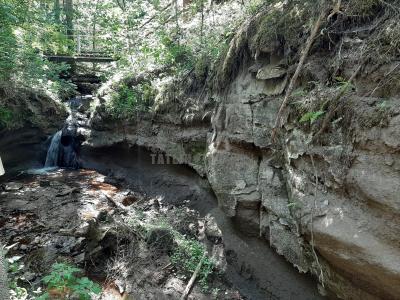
(12, 186)
(270, 72)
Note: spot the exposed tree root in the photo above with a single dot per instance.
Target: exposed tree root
(321, 274)
(293, 80)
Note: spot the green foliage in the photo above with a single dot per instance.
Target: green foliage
(172, 53)
(127, 101)
(344, 85)
(6, 117)
(16, 279)
(187, 255)
(311, 116)
(26, 33)
(63, 279)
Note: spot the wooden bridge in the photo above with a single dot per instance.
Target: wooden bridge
(85, 51)
(92, 57)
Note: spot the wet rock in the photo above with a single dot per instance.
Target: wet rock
(12, 186)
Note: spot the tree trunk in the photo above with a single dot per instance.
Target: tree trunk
(69, 23)
(69, 18)
(57, 10)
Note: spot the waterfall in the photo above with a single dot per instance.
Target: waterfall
(54, 150)
(64, 147)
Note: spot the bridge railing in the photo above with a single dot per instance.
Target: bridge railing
(89, 45)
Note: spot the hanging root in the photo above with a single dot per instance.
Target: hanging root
(293, 80)
(321, 273)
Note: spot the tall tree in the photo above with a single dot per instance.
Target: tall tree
(69, 17)
(57, 11)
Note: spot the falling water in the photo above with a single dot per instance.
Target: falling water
(54, 150)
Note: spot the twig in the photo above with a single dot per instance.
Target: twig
(383, 81)
(166, 266)
(321, 275)
(155, 15)
(303, 57)
(193, 278)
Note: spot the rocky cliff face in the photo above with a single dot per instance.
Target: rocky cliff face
(341, 191)
(34, 117)
(325, 194)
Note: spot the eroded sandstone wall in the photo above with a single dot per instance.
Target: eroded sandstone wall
(326, 193)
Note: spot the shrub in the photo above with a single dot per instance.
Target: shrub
(187, 255)
(127, 101)
(6, 118)
(172, 53)
(62, 283)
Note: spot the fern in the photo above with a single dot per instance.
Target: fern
(311, 116)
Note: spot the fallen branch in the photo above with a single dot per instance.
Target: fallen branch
(303, 57)
(193, 278)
